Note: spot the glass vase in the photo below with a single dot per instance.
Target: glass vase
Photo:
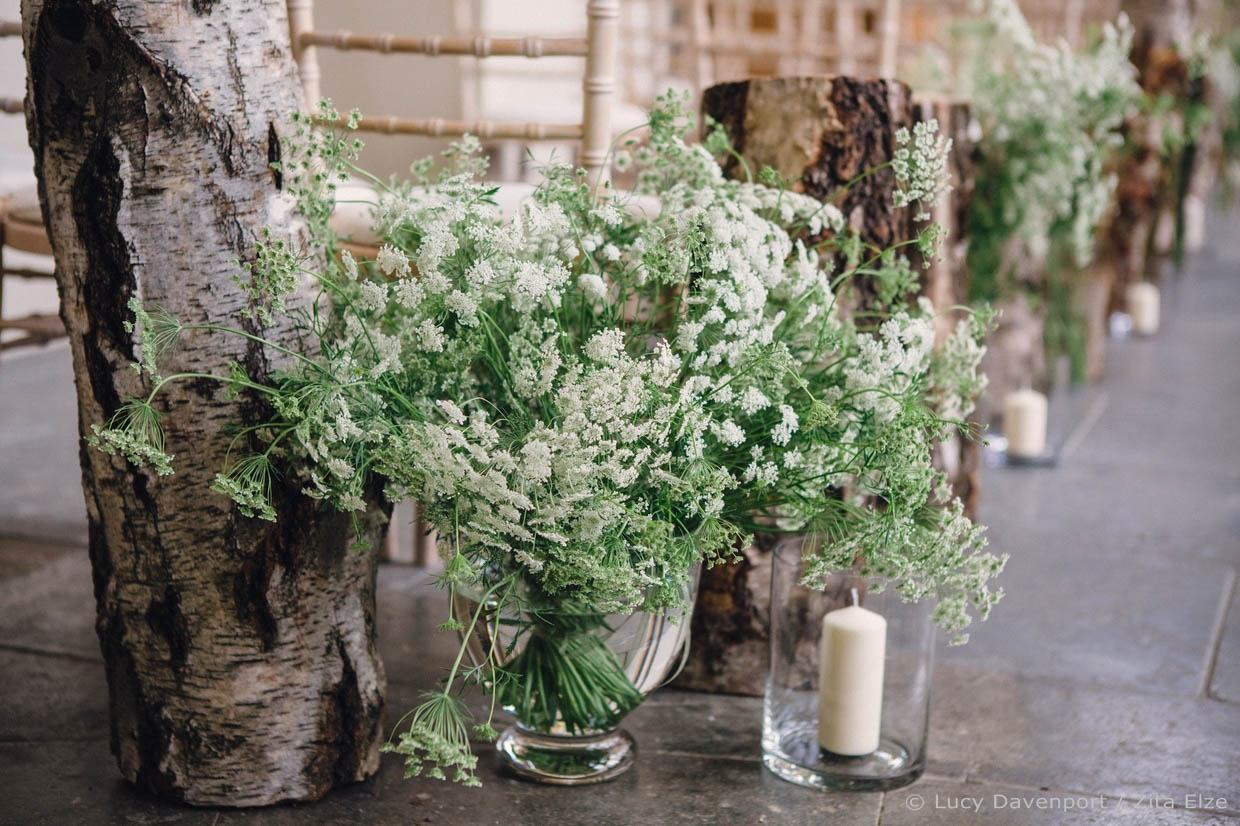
(848, 694)
(575, 674)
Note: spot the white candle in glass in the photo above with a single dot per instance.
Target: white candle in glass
(1024, 423)
(850, 685)
(1143, 301)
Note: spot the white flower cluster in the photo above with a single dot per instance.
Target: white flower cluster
(920, 167)
(957, 380)
(886, 365)
(590, 397)
(1050, 118)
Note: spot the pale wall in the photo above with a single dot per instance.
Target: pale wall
(394, 84)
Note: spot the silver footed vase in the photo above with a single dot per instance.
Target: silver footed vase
(571, 676)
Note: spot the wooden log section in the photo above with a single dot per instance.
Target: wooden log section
(1140, 234)
(818, 133)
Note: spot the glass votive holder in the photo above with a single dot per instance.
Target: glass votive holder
(864, 690)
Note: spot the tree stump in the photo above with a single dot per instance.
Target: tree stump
(1015, 356)
(1093, 301)
(240, 655)
(818, 133)
(1151, 185)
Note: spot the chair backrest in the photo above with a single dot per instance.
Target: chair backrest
(1070, 20)
(598, 48)
(717, 40)
(11, 105)
(928, 21)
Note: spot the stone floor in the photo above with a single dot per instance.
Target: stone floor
(1105, 688)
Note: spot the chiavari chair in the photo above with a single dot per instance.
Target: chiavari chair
(592, 133)
(22, 229)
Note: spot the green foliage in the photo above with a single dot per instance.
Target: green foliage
(593, 396)
(249, 484)
(134, 432)
(436, 741)
(273, 276)
(1050, 123)
(565, 674)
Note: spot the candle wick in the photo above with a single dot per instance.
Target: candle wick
(856, 597)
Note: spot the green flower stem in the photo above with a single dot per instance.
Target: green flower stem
(864, 267)
(159, 385)
(874, 170)
(221, 328)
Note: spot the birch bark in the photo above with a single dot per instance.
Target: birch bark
(241, 659)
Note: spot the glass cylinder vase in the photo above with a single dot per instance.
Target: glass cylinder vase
(848, 694)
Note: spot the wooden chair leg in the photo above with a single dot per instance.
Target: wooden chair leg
(426, 542)
(400, 545)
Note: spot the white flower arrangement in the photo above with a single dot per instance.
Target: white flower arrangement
(1051, 122)
(587, 400)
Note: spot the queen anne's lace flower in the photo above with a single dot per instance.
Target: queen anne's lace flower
(391, 261)
(1050, 118)
(586, 399)
(592, 285)
(920, 167)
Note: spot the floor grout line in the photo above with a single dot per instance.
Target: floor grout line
(1216, 635)
(9, 740)
(1126, 798)
(1085, 425)
(18, 648)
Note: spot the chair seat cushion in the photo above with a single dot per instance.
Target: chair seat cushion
(23, 206)
(353, 217)
(23, 223)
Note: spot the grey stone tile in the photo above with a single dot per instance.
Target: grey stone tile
(935, 802)
(1171, 396)
(1225, 681)
(1138, 624)
(71, 783)
(52, 608)
(690, 722)
(1169, 437)
(1054, 734)
(659, 789)
(20, 556)
(77, 783)
(52, 698)
(1116, 511)
(42, 494)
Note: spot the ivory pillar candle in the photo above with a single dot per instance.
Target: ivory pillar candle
(1143, 301)
(850, 685)
(1024, 423)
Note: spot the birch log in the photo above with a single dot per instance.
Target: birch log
(819, 133)
(1147, 198)
(240, 655)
